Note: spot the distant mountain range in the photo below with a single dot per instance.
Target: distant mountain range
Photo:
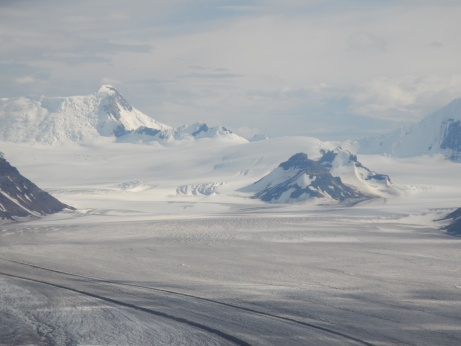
(19, 197)
(439, 133)
(106, 113)
(336, 176)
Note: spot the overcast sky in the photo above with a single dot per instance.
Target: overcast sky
(331, 69)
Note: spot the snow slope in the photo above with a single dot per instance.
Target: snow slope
(206, 176)
(186, 132)
(439, 133)
(51, 120)
(341, 163)
(84, 119)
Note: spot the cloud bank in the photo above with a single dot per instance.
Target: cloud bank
(332, 69)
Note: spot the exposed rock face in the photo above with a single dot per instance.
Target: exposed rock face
(300, 179)
(455, 225)
(336, 176)
(19, 197)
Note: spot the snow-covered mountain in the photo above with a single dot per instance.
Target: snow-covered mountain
(336, 176)
(106, 113)
(259, 137)
(195, 131)
(341, 163)
(19, 197)
(439, 133)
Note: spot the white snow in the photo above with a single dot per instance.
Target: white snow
(84, 119)
(188, 259)
(417, 139)
(359, 177)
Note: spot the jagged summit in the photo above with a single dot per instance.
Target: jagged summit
(107, 89)
(112, 102)
(439, 133)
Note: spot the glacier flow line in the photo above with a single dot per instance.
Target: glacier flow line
(208, 329)
(265, 314)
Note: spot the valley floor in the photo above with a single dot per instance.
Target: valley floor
(165, 249)
(366, 275)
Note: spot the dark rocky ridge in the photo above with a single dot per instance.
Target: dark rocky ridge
(19, 197)
(321, 183)
(455, 225)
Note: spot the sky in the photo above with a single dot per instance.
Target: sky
(331, 69)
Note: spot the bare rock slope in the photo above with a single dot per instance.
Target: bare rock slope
(19, 197)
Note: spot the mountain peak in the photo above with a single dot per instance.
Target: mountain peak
(298, 161)
(107, 90)
(337, 175)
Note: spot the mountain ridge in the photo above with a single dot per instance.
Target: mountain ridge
(336, 176)
(76, 119)
(19, 197)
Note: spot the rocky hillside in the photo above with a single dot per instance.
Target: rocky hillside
(300, 179)
(19, 197)
(454, 227)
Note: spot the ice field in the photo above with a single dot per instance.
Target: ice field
(163, 249)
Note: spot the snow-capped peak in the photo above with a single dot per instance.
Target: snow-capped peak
(336, 175)
(105, 113)
(342, 163)
(51, 120)
(107, 90)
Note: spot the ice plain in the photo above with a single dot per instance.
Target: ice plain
(142, 263)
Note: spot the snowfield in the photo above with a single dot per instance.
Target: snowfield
(164, 249)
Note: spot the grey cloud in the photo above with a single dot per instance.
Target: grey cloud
(297, 93)
(436, 44)
(13, 70)
(210, 75)
(196, 67)
(362, 41)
